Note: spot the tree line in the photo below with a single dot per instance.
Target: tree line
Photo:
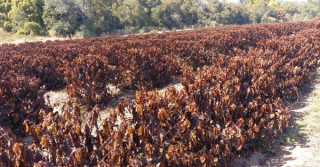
(86, 18)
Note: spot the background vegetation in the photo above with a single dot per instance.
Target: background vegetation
(85, 18)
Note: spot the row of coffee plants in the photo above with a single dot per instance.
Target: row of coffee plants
(219, 112)
(130, 62)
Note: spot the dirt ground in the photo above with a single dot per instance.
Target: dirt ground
(12, 38)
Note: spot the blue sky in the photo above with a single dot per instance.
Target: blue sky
(279, 0)
(294, 0)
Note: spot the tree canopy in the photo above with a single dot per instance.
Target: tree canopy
(87, 18)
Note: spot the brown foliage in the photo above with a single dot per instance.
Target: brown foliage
(236, 95)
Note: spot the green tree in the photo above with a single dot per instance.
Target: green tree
(168, 14)
(207, 10)
(311, 9)
(62, 17)
(95, 17)
(5, 7)
(302, 11)
(24, 12)
(232, 14)
(31, 28)
(189, 11)
(98, 17)
(17, 18)
(271, 3)
(132, 13)
(266, 11)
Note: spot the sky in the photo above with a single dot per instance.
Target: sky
(235, 1)
(293, 0)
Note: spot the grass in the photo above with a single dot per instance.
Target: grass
(7, 37)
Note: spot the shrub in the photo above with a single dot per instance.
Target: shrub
(7, 26)
(31, 28)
